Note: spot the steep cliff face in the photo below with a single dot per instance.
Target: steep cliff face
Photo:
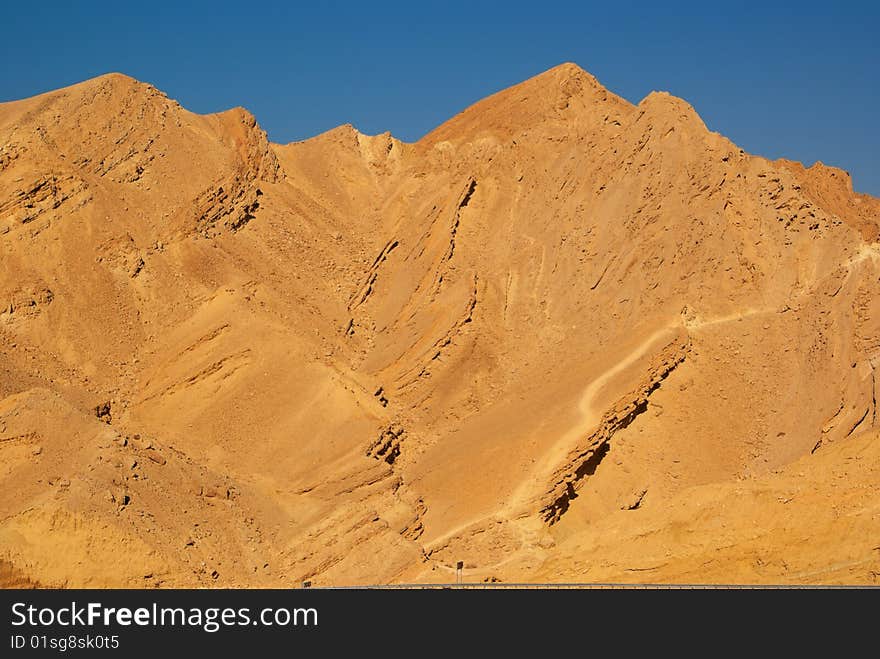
(356, 360)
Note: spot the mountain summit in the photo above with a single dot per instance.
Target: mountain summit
(562, 337)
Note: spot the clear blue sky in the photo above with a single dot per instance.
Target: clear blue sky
(794, 79)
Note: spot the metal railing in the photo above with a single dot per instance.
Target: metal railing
(587, 586)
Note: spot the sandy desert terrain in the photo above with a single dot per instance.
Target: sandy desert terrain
(561, 338)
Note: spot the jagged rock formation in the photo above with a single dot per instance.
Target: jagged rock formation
(561, 337)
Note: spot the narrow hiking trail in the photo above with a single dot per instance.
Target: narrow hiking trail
(589, 415)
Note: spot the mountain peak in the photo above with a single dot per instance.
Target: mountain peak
(664, 109)
(664, 101)
(566, 67)
(561, 73)
(564, 94)
(116, 77)
(112, 83)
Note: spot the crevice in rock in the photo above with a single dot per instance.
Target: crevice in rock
(104, 412)
(366, 289)
(456, 219)
(387, 446)
(857, 424)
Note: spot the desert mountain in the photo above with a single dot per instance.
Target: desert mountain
(562, 337)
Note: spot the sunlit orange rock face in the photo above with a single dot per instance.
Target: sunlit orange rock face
(561, 338)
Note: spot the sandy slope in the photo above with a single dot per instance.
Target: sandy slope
(562, 338)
